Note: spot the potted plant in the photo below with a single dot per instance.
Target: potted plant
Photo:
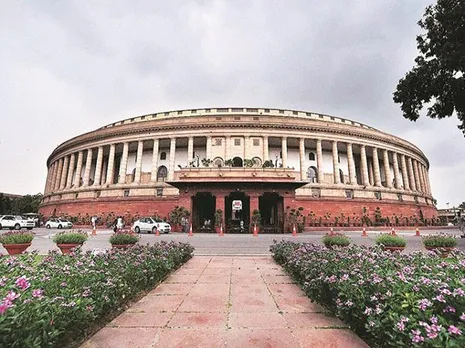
(69, 240)
(390, 242)
(442, 243)
(16, 242)
(123, 239)
(336, 239)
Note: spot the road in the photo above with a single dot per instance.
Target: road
(229, 244)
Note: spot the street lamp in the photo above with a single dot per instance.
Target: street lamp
(447, 214)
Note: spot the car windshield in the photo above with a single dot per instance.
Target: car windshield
(157, 219)
(63, 220)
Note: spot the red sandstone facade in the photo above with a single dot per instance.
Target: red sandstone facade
(270, 160)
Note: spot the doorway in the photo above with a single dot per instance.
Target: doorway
(237, 212)
(271, 206)
(203, 212)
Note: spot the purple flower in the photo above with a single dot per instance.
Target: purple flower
(4, 306)
(37, 293)
(459, 292)
(425, 303)
(11, 296)
(462, 317)
(432, 335)
(454, 330)
(22, 283)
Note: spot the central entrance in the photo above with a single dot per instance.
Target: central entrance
(237, 212)
(203, 212)
(271, 206)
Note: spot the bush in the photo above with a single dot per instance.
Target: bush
(337, 239)
(16, 237)
(70, 237)
(56, 300)
(123, 237)
(391, 241)
(391, 300)
(442, 240)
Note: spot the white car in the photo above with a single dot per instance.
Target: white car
(151, 225)
(15, 222)
(58, 223)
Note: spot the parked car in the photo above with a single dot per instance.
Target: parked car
(151, 225)
(15, 222)
(58, 223)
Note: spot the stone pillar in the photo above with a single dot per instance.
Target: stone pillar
(319, 161)
(55, 175)
(227, 148)
(156, 143)
(77, 176)
(140, 151)
(417, 176)
(190, 150)
(253, 205)
(302, 159)
(376, 167)
(336, 177)
(98, 166)
(364, 165)
(395, 163)
(247, 147)
(428, 186)
(208, 150)
(351, 164)
(58, 176)
(47, 181)
(69, 179)
(88, 166)
(411, 175)
(51, 173)
(220, 205)
(111, 165)
(266, 153)
(173, 156)
(405, 178)
(421, 168)
(371, 175)
(64, 173)
(123, 167)
(284, 151)
(387, 170)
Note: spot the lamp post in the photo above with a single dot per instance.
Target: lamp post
(447, 214)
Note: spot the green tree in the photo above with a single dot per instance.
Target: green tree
(438, 76)
(26, 204)
(462, 205)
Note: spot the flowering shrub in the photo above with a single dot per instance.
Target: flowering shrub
(16, 237)
(391, 241)
(336, 239)
(45, 302)
(441, 240)
(70, 237)
(124, 237)
(392, 300)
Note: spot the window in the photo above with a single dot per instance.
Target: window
(97, 194)
(167, 113)
(163, 156)
(341, 176)
(415, 199)
(295, 113)
(237, 110)
(193, 111)
(399, 197)
(179, 112)
(162, 173)
(316, 193)
(252, 110)
(237, 118)
(76, 195)
(267, 110)
(142, 117)
(312, 174)
(320, 116)
(159, 191)
(256, 142)
(237, 142)
(126, 193)
(217, 142)
(311, 156)
(350, 194)
(378, 195)
(218, 162)
(218, 118)
(281, 111)
(256, 118)
(208, 110)
(257, 162)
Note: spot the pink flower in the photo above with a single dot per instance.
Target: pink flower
(37, 293)
(432, 335)
(11, 296)
(4, 306)
(22, 283)
(454, 330)
(462, 317)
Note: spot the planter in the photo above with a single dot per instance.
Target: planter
(66, 248)
(393, 248)
(121, 246)
(16, 249)
(442, 251)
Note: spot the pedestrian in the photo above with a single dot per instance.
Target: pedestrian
(119, 223)
(94, 221)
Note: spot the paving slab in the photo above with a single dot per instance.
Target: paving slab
(226, 301)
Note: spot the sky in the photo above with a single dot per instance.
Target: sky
(69, 67)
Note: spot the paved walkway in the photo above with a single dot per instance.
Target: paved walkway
(225, 301)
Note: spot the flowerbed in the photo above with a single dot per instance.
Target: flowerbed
(55, 300)
(392, 300)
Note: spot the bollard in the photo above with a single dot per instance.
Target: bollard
(364, 232)
(331, 231)
(417, 232)
(190, 231)
(393, 231)
(255, 231)
(294, 231)
(221, 231)
(157, 233)
(94, 231)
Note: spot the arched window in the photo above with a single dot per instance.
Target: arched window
(341, 176)
(163, 156)
(312, 174)
(218, 162)
(311, 156)
(162, 173)
(237, 162)
(257, 162)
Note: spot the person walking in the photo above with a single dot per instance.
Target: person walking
(119, 223)
(93, 221)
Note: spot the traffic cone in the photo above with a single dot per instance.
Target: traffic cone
(94, 231)
(190, 231)
(331, 231)
(157, 233)
(294, 232)
(364, 232)
(255, 230)
(221, 230)
(417, 232)
(393, 231)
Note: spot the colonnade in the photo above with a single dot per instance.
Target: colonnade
(408, 174)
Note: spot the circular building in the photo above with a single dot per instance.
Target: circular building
(291, 166)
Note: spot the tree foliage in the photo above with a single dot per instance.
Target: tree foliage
(438, 76)
(20, 205)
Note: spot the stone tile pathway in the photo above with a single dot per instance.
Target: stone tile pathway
(219, 301)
